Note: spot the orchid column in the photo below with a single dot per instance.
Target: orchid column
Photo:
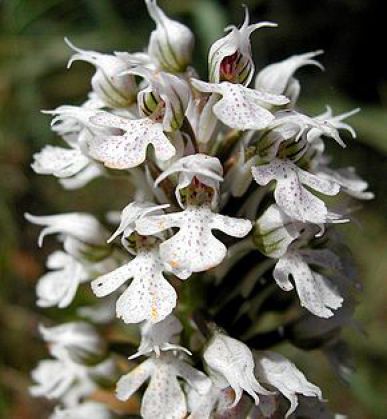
(229, 215)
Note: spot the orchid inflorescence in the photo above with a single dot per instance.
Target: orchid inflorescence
(229, 190)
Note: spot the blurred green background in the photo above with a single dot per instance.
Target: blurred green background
(33, 76)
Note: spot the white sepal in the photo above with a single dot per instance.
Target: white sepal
(81, 226)
(156, 337)
(278, 78)
(111, 86)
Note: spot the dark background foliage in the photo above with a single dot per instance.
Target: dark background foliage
(33, 77)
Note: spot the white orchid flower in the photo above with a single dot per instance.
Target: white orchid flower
(278, 78)
(316, 292)
(230, 57)
(208, 171)
(290, 194)
(231, 363)
(303, 124)
(277, 371)
(59, 286)
(349, 181)
(80, 339)
(240, 107)
(171, 43)
(163, 397)
(128, 149)
(335, 121)
(112, 87)
(67, 381)
(58, 161)
(156, 337)
(73, 166)
(128, 217)
(194, 237)
(148, 297)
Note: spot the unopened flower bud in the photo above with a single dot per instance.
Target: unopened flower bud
(171, 43)
(115, 89)
(230, 58)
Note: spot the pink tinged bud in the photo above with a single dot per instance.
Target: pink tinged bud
(230, 57)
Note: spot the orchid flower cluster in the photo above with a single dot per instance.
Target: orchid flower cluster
(228, 214)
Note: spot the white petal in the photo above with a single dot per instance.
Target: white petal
(108, 283)
(128, 384)
(276, 370)
(315, 292)
(290, 195)
(202, 406)
(230, 225)
(163, 398)
(74, 336)
(129, 150)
